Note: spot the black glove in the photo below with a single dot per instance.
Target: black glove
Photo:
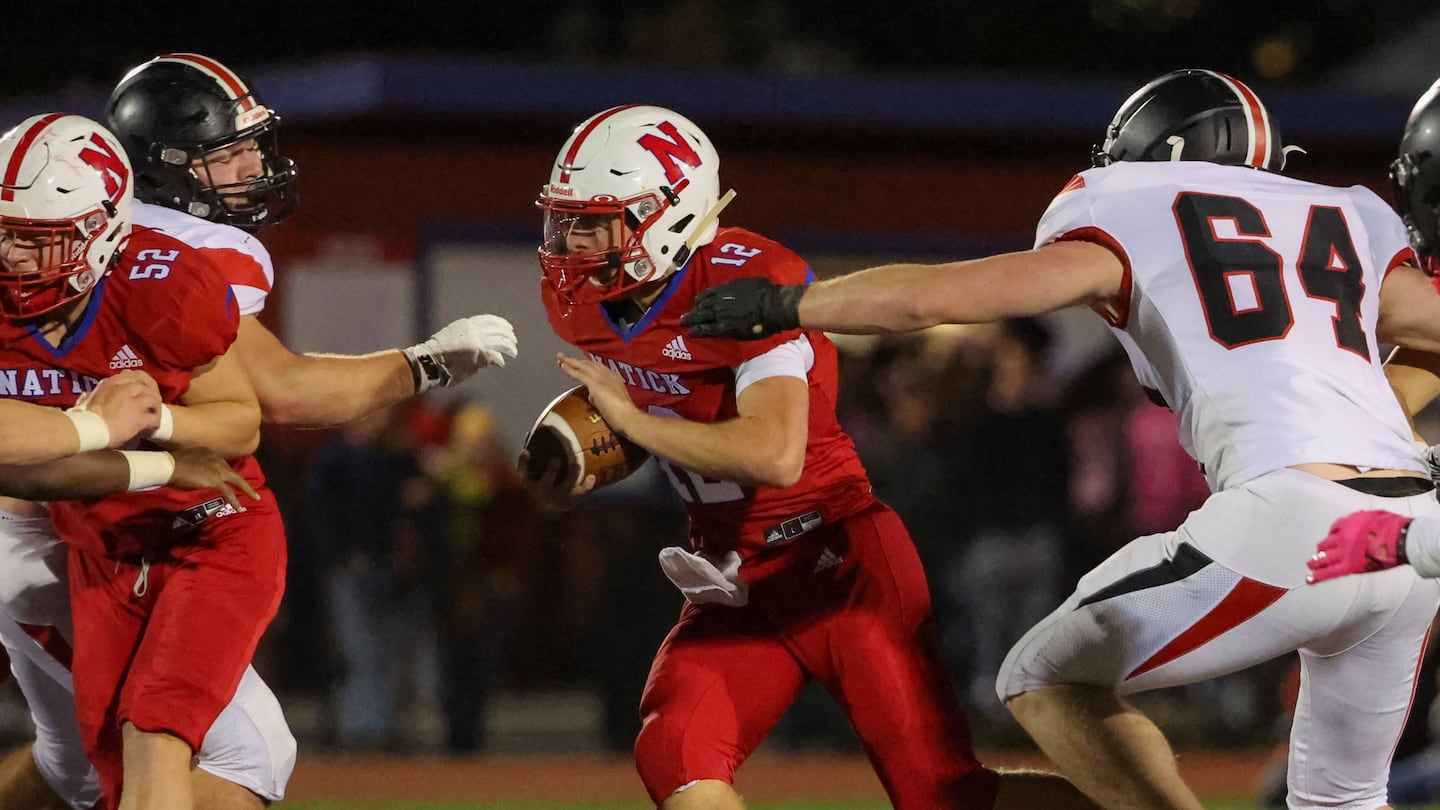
(745, 309)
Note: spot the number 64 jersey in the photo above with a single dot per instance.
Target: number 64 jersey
(1252, 306)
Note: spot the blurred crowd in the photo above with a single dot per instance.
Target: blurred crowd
(424, 582)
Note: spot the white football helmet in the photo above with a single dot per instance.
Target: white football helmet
(630, 188)
(65, 197)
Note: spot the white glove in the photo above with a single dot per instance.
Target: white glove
(464, 347)
(701, 582)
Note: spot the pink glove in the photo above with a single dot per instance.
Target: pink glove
(1360, 542)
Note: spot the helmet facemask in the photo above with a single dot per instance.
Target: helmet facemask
(1417, 199)
(596, 249)
(47, 264)
(249, 204)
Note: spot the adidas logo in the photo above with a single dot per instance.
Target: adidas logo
(676, 350)
(828, 559)
(126, 358)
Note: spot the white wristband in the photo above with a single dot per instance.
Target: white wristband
(149, 468)
(94, 433)
(167, 425)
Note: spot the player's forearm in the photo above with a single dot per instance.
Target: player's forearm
(322, 390)
(745, 450)
(227, 428)
(86, 475)
(906, 297)
(875, 301)
(31, 434)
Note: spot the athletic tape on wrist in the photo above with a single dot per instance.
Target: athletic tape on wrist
(149, 468)
(167, 425)
(94, 433)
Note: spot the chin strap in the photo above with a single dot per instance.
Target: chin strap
(701, 225)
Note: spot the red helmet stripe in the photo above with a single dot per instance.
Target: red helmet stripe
(1256, 116)
(238, 90)
(12, 169)
(580, 137)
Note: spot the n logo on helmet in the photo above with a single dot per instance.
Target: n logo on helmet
(670, 152)
(99, 156)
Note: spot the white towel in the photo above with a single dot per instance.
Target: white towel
(701, 581)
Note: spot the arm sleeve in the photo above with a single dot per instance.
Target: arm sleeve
(1389, 240)
(1068, 213)
(200, 321)
(250, 272)
(790, 359)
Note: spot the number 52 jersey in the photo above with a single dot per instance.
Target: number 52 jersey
(1251, 307)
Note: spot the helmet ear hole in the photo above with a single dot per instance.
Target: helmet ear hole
(682, 223)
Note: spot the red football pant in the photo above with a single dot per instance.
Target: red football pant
(862, 628)
(169, 658)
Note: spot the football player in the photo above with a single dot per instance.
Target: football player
(208, 170)
(170, 589)
(1377, 540)
(794, 571)
(1255, 305)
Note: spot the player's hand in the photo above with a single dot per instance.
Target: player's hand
(198, 468)
(459, 350)
(1359, 542)
(129, 402)
(552, 489)
(745, 309)
(605, 387)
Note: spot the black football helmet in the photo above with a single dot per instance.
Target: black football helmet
(1415, 175)
(172, 113)
(1194, 115)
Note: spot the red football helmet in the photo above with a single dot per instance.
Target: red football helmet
(627, 202)
(65, 197)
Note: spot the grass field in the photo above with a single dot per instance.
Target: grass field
(1236, 804)
(609, 782)
(1220, 804)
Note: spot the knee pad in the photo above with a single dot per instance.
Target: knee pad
(250, 743)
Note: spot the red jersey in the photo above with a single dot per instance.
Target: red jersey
(165, 310)
(670, 373)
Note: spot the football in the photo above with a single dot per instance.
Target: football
(571, 430)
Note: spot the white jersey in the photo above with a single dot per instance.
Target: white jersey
(241, 256)
(1252, 309)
